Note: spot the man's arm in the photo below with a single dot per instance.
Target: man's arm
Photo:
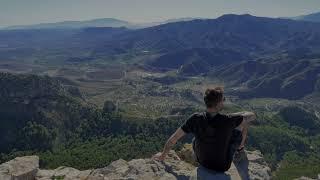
(243, 127)
(247, 116)
(170, 143)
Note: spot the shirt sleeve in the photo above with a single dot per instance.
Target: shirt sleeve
(188, 125)
(235, 120)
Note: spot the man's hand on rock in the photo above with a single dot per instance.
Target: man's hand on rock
(159, 157)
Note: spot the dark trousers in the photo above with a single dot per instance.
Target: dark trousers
(235, 142)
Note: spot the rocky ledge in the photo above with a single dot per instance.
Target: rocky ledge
(27, 168)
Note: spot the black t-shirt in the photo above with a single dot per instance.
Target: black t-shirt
(212, 138)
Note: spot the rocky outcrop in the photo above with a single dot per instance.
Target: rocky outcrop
(20, 168)
(27, 168)
(65, 173)
(307, 178)
(172, 168)
(254, 166)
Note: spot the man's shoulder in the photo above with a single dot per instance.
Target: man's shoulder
(222, 115)
(206, 115)
(230, 115)
(227, 116)
(202, 115)
(197, 115)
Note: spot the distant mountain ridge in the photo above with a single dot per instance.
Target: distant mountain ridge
(101, 22)
(239, 32)
(248, 36)
(314, 17)
(105, 22)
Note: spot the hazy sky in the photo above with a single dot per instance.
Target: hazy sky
(20, 12)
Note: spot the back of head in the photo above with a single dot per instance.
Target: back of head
(213, 96)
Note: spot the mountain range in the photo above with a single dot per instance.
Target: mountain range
(238, 32)
(102, 22)
(112, 22)
(241, 33)
(105, 22)
(192, 48)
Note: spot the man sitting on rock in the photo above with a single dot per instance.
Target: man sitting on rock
(217, 137)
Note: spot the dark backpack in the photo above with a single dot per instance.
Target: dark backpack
(205, 138)
(202, 144)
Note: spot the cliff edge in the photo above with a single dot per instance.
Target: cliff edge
(27, 168)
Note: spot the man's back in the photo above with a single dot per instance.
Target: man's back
(216, 137)
(212, 138)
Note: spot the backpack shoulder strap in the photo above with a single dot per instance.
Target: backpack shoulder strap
(204, 125)
(208, 128)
